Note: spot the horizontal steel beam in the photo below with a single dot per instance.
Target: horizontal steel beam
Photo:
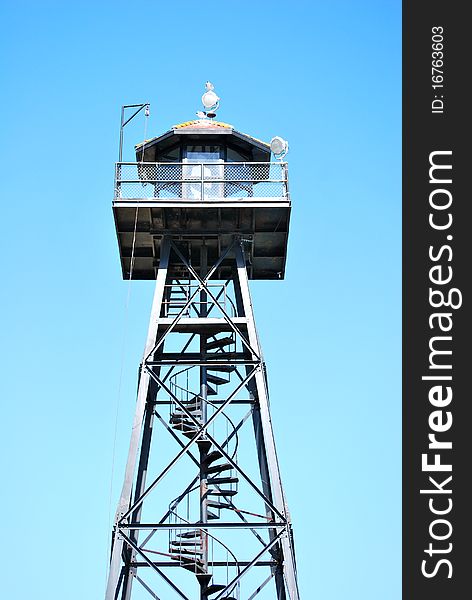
(169, 402)
(194, 361)
(253, 202)
(209, 525)
(175, 563)
(205, 163)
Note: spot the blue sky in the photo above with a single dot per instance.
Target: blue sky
(324, 75)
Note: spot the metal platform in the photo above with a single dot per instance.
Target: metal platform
(202, 201)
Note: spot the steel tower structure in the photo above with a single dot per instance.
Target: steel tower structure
(202, 512)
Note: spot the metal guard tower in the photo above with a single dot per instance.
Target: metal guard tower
(202, 512)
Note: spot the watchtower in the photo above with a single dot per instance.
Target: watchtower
(202, 512)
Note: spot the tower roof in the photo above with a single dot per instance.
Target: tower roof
(207, 131)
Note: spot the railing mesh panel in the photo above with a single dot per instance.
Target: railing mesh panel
(200, 181)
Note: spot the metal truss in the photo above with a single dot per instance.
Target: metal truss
(186, 361)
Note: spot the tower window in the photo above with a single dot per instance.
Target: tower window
(203, 153)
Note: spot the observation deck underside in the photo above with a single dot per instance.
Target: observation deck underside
(264, 222)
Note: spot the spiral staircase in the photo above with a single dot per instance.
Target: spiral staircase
(218, 483)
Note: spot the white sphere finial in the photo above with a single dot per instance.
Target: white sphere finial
(210, 100)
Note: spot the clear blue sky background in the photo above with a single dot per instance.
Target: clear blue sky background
(323, 74)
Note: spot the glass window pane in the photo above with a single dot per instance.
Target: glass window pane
(203, 153)
(169, 155)
(236, 156)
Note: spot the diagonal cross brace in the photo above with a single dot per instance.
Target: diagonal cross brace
(198, 434)
(202, 286)
(213, 441)
(195, 479)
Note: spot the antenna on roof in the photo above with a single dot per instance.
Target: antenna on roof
(210, 101)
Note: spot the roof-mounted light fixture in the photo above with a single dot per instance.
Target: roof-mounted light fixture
(279, 147)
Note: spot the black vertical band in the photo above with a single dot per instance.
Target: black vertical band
(437, 268)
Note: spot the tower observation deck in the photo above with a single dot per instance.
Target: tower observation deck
(203, 178)
(202, 512)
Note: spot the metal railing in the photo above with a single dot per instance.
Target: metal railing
(177, 295)
(201, 181)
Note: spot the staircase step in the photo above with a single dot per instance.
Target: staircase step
(190, 565)
(185, 426)
(194, 399)
(218, 505)
(182, 418)
(184, 542)
(180, 413)
(222, 368)
(185, 552)
(218, 480)
(219, 468)
(190, 407)
(222, 493)
(212, 456)
(213, 588)
(219, 343)
(211, 391)
(216, 380)
(194, 409)
(189, 534)
(212, 516)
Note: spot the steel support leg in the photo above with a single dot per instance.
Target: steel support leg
(262, 422)
(114, 582)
